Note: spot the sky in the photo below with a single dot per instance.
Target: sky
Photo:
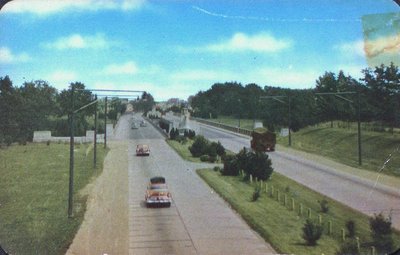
(174, 49)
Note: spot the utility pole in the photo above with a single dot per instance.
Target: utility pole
(105, 124)
(95, 136)
(71, 155)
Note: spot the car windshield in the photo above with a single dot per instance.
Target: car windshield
(274, 123)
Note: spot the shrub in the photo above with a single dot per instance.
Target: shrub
(312, 232)
(349, 247)
(220, 149)
(191, 134)
(212, 149)
(204, 158)
(199, 147)
(212, 159)
(324, 205)
(351, 228)
(217, 169)
(231, 166)
(48, 143)
(256, 194)
(260, 165)
(174, 133)
(381, 228)
(181, 139)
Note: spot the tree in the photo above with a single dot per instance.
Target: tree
(199, 146)
(381, 228)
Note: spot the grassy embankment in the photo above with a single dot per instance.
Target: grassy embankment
(34, 196)
(341, 144)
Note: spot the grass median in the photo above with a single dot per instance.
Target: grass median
(34, 196)
(280, 224)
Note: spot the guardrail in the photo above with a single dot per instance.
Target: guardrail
(242, 131)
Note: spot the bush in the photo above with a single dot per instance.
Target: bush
(256, 194)
(220, 149)
(212, 149)
(381, 228)
(349, 247)
(312, 232)
(231, 166)
(351, 228)
(217, 169)
(212, 159)
(324, 205)
(199, 147)
(174, 133)
(204, 158)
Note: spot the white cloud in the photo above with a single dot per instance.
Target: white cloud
(61, 78)
(126, 68)
(46, 7)
(351, 48)
(77, 41)
(286, 77)
(7, 57)
(262, 42)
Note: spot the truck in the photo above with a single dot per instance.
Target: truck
(263, 140)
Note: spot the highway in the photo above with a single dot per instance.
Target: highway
(198, 221)
(362, 194)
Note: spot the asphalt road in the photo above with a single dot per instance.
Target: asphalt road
(198, 221)
(367, 195)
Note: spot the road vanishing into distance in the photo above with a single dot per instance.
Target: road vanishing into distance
(363, 194)
(198, 221)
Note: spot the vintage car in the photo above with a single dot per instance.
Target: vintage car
(142, 150)
(157, 193)
(134, 126)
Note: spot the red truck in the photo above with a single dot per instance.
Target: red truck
(263, 140)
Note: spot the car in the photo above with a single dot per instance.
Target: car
(134, 126)
(157, 193)
(143, 123)
(142, 150)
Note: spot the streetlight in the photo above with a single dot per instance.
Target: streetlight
(277, 98)
(339, 95)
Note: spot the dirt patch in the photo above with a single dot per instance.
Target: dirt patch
(105, 227)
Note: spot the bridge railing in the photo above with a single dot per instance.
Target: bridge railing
(235, 129)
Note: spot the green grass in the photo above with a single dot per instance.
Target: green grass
(341, 145)
(183, 149)
(34, 195)
(228, 120)
(281, 226)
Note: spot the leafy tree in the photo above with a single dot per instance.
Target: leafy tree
(220, 149)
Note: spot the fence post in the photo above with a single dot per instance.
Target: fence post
(372, 250)
(358, 244)
(343, 234)
(292, 204)
(251, 178)
(278, 196)
(320, 219)
(266, 187)
(272, 191)
(309, 213)
(300, 209)
(285, 200)
(329, 227)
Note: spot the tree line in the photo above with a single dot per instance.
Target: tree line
(38, 106)
(377, 93)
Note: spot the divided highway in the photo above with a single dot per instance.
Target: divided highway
(198, 221)
(359, 193)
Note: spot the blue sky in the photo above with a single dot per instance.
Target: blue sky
(176, 48)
